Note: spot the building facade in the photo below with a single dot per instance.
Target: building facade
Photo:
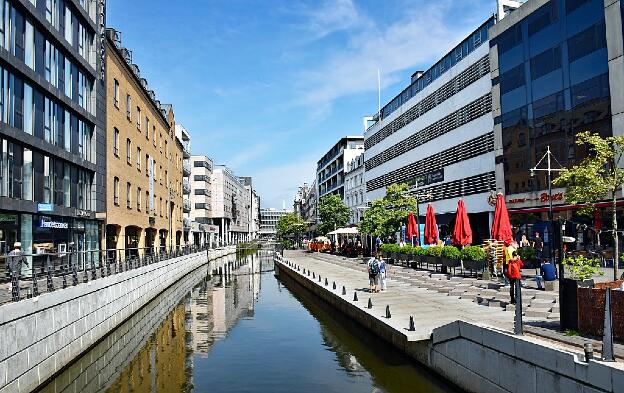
(355, 188)
(558, 70)
(52, 125)
(183, 137)
(253, 207)
(143, 161)
(437, 135)
(330, 169)
(230, 205)
(200, 200)
(268, 222)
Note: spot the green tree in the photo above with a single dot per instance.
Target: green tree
(596, 178)
(333, 213)
(290, 225)
(386, 215)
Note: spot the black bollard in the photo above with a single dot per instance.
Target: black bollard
(326, 282)
(388, 315)
(308, 273)
(411, 324)
(313, 275)
(370, 303)
(355, 298)
(319, 278)
(304, 271)
(344, 291)
(518, 328)
(334, 285)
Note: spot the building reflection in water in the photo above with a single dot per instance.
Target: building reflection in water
(154, 350)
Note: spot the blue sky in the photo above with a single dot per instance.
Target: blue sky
(267, 87)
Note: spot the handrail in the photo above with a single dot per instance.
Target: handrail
(63, 269)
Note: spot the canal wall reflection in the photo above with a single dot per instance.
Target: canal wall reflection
(152, 351)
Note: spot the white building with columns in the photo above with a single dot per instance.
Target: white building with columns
(355, 188)
(230, 205)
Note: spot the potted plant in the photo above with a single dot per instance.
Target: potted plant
(432, 256)
(450, 257)
(386, 249)
(580, 272)
(473, 258)
(417, 255)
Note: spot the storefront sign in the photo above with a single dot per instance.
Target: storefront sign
(428, 178)
(211, 228)
(53, 224)
(45, 207)
(543, 198)
(83, 213)
(10, 218)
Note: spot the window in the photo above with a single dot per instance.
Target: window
(147, 128)
(28, 109)
(200, 191)
(116, 94)
(29, 46)
(147, 165)
(116, 191)
(138, 118)
(116, 142)
(138, 198)
(68, 26)
(154, 134)
(587, 41)
(160, 206)
(200, 206)
(68, 78)
(129, 107)
(128, 151)
(128, 191)
(138, 154)
(48, 179)
(512, 79)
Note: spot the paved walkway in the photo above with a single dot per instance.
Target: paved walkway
(437, 299)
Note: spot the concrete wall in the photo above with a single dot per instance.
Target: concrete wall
(480, 359)
(42, 335)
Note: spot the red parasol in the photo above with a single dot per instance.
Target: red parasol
(597, 220)
(412, 228)
(501, 228)
(462, 233)
(431, 228)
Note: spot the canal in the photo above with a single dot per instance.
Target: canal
(245, 331)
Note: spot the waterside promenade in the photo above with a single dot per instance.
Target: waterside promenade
(469, 344)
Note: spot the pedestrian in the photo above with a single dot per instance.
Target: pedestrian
(514, 266)
(382, 272)
(524, 242)
(448, 241)
(373, 274)
(538, 245)
(547, 273)
(15, 261)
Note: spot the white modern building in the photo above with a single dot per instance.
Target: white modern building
(437, 134)
(230, 205)
(268, 221)
(184, 137)
(330, 169)
(355, 188)
(200, 196)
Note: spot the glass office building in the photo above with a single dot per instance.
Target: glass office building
(551, 81)
(51, 124)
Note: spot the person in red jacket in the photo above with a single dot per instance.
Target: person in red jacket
(513, 274)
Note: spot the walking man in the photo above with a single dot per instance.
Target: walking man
(373, 274)
(15, 260)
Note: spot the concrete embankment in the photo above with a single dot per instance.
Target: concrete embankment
(473, 356)
(42, 335)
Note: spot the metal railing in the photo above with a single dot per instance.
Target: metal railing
(47, 272)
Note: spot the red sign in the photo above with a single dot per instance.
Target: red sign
(543, 198)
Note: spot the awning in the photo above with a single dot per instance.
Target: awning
(345, 231)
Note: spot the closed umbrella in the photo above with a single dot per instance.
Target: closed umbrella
(462, 233)
(412, 229)
(501, 228)
(431, 227)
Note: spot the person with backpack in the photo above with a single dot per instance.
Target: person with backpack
(382, 273)
(514, 266)
(373, 274)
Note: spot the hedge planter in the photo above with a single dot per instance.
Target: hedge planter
(450, 262)
(474, 265)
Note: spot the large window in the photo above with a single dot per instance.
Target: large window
(116, 93)
(116, 191)
(587, 41)
(128, 151)
(116, 142)
(138, 154)
(128, 107)
(128, 195)
(138, 198)
(138, 109)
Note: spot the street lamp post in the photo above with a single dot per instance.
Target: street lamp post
(549, 169)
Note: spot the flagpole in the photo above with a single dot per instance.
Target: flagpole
(378, 95)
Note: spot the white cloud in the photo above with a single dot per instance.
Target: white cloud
(279, 182)
(332, 16)
(420, 37)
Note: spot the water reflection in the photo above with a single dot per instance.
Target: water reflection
(241, 331)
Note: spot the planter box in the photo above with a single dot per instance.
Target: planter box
(591, 309)
(570, 302)
(450, 262)
(474, 265)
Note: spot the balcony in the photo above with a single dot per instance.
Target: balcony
(186, 187)
(186, 150)
(186, 168)
(186, 222)
(186, 206)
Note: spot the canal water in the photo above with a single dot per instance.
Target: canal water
(242, 331)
